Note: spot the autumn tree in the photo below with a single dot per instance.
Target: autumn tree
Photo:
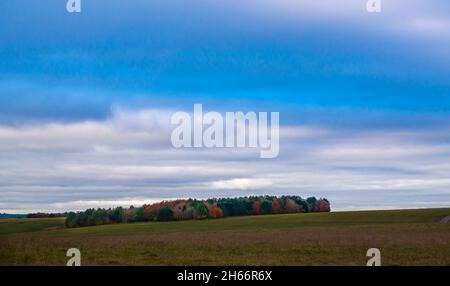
(291, 206)
(323, 205)
(276, 207)
(196, 209)
(256, 208)
(129, 215)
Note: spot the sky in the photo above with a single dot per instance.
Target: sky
(86, 100)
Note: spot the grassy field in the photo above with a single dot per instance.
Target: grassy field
(405, 237)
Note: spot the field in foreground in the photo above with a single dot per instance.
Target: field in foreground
(405, 237)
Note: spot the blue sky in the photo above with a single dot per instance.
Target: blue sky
(341, 78)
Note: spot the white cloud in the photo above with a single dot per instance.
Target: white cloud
(242, 184)
(122, 202)
(436, 26)
(128, 158)
(125, 128)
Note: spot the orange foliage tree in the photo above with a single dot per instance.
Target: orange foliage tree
(276, 207)
(291, 206)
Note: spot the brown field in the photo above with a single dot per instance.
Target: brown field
(409, 237)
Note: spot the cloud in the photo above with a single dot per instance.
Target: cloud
(61, 142)
(314, 53)
(242, 184)
(128, 158)
(431, 26)
(122, 202)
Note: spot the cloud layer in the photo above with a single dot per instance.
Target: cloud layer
(86, 99)
(128, 159)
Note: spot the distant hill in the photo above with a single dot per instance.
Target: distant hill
(4, 216)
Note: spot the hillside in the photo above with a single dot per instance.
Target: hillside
(405, 237)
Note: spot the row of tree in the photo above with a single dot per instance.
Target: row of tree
(45, 215)
(198, 209)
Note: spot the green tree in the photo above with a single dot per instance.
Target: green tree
(165, 214)
(312, 202)
(201, 210)
(71, 220)
(266, 206)
(140, 214)
(117, 215)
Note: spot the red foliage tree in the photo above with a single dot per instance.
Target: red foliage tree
(323, 205)
(276, 207)
(151, 211)
(256, 208)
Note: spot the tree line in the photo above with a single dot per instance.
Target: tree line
(198, 209)
(46, 215)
